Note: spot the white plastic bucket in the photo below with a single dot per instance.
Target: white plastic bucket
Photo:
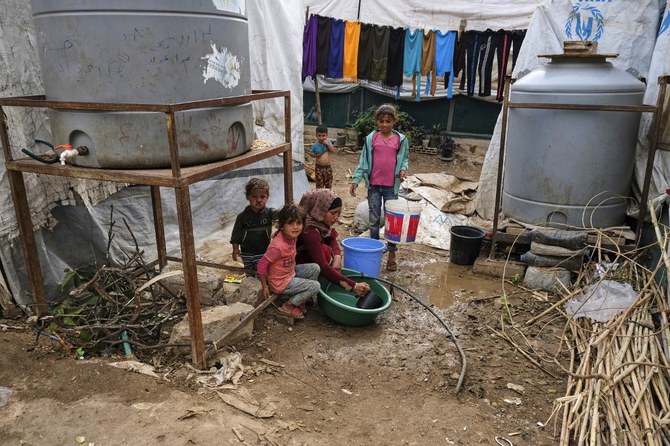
(402, 220)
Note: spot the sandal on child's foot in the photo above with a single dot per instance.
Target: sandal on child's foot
(303, 308)
(290, 311)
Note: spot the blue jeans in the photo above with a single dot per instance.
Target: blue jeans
(304, 285)
(375, 196)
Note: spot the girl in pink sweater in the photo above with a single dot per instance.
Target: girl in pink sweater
(278, 271)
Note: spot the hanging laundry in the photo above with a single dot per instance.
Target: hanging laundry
(365, 51)
(485, 67)
(309, 47)
(445, 46)
(412, 59)
(352, 35)
(336, 49)
(322, 44)
(503, 44)
(470, 54)
(396, 50)
(428, 61)
(517, 37)
(506, 42)
(380, 53)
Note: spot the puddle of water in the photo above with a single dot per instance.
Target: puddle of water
(456, 283)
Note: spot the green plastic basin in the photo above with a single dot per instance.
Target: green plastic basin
(339, 304)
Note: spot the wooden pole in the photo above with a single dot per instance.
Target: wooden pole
(26, 234)
(318, 100)
(501, 161)
(651, 157)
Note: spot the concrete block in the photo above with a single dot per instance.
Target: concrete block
(249, 291)
(216, 322)
(496, 268)
(210, 281)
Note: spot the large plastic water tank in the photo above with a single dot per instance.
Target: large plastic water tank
(141, 51)
(566, 166)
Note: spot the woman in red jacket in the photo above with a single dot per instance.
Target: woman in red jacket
(318, 242)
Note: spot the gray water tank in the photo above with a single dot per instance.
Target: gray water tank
(144, 52)
(566, 166)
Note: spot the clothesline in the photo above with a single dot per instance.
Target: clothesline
(353, 50)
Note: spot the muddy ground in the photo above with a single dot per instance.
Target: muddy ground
(391, 383)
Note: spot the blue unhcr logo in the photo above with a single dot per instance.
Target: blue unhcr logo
(665, 24)
(584, 19)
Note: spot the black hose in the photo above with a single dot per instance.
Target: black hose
(444, 324)
(39, 158)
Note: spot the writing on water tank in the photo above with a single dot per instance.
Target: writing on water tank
(222, 66)
(125, 49)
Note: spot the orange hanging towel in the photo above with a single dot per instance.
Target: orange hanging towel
(352, 34)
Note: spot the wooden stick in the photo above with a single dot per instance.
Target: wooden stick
(252, 314)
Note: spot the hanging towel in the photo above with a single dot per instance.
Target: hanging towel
(336, 50)
(428, 60)
(309, 48)
(322, 44)
(380, 52)
(445, 45)
(411, 65)
(395, 57)
(365, 51)
(352, 35)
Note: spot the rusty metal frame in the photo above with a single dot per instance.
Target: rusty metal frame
(177, 177)
(656, 110)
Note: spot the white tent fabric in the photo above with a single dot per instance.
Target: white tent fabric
(479, 14)
(660, 66)
(73, 216)
(618, 27)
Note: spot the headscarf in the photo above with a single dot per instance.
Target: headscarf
(316, 204)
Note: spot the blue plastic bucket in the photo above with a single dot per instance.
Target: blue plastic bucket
(363, 255)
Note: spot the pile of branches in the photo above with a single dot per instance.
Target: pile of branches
(121, 305)
(618, 389)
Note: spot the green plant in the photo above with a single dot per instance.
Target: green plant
(436, 129)
(365, 122)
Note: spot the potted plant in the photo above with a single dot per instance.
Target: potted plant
(364, 124)
(435, 133)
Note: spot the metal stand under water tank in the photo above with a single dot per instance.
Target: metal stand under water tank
(570, 166)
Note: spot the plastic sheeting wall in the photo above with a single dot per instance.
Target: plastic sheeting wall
(73, 216)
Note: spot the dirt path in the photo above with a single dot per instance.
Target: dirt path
(388, 383)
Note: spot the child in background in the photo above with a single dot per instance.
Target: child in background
(253, 227)
(278, 271)
(320, 151)
(383, 166)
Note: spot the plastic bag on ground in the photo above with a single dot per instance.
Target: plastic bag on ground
(601, 301)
